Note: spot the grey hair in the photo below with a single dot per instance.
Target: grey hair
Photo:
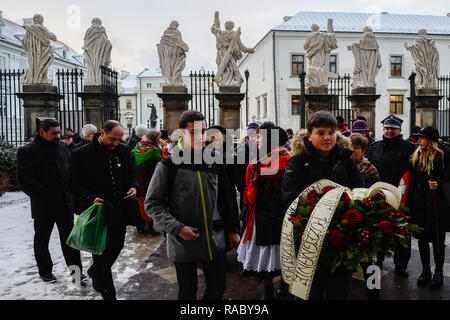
(140, 130)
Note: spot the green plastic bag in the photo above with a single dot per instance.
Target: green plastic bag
(89, 234)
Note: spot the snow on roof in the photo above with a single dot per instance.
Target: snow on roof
(355, 22)
(128, 84)
(149, 73)
(13, 33)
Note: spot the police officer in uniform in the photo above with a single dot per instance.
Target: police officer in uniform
(391, 157)
(102, 172)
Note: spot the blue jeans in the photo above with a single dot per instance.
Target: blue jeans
(215, 273)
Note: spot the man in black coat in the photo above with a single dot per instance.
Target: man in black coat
(43, 174)
(391, 157)
(102, 172)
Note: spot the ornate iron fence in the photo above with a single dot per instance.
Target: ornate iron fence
(12, 129)
(203, 99)
(443, 83)
(70, 110)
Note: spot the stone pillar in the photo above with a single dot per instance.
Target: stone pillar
(427, 104)
(317, 99)
(39, 101)
(363, 104)
(230, 106)
(96, 105)
(175, 102)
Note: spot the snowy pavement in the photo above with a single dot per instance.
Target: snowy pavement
(18, 271)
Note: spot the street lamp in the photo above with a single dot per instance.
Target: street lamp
(247, 74)
(129, 118)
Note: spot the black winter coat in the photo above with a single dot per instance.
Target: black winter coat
(132, 142)
(391, 158)
(82, 143)
(43, 174)
(97, 172)
(308, 167)
(420, 199)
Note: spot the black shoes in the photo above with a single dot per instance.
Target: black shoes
(95, 284)
(48, 277)
(402, 272)
(424, 278)
(438, 280)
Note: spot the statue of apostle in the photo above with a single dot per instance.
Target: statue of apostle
(97, 52)
(318, 46)
(36, 44)
(367, 60)
(172, 55)
(426, 59)
(229, 51)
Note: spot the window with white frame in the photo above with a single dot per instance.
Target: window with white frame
(129, 103)
(295, 105)
(297, 64)
(264, 109)
(149, 85)
(258, 108)
(149, 102)
(333, 63)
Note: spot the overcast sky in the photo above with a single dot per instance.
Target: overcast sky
(135, 26)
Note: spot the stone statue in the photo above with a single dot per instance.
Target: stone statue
(318, 46)
(426, 59)
(97, 52)
(36, 44)
(172, 55)
(229, 51)
(367, 60)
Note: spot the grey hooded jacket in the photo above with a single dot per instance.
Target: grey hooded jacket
(197, 196)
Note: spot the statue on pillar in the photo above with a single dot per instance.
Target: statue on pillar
(229, 51)
(37, 44)
(426, 59)
(367, 60)
(318, 46)
(97, 52)
(172, 55)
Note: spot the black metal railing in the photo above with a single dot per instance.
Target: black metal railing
(12, 129)
(203, 99)
(70, 109)
(110, 110)
(340, 88)
(443, 83)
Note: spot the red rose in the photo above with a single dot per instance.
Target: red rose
(312, 194)
(327, 188)
(345, 198)
(386, 226)
(335, 237)
(311, 201)
(353, 216)
(297, 221)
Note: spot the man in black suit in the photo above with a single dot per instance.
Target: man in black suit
(43, 174)
(102, 172)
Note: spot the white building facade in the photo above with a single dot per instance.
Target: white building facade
(274, 85)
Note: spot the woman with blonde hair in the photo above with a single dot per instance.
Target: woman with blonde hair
(146, 154)
(429, 170)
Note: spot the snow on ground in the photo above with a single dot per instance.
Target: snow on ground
(18, 271)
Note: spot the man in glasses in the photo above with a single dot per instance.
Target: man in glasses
(43, 174)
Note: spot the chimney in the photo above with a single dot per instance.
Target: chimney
(287, 18)
(27, 22)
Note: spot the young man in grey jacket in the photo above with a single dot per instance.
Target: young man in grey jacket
(192, 201)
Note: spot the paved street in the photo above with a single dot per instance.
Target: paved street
(143, 272)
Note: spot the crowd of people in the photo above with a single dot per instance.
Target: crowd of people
(206, 209)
